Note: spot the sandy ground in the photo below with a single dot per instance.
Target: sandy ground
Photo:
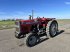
(60, 43)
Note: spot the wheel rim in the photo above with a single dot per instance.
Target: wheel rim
(54, 29)
(32, 40)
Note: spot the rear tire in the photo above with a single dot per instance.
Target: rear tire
(53, 28)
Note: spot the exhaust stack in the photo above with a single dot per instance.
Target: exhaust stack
(32, 14)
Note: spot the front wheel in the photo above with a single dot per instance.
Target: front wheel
(31, 40)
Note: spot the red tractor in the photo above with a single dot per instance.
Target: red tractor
(32, 29)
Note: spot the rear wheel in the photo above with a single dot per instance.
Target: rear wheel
(53, 28)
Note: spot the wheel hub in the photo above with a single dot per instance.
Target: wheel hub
(32, 40)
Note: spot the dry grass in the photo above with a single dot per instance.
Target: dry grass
(6, 24)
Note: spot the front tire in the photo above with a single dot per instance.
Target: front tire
(31, 39)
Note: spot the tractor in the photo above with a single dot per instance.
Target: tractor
(31, 29)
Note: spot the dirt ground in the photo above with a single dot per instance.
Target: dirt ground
(59, 43)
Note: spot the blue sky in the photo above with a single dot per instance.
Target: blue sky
(10, 9)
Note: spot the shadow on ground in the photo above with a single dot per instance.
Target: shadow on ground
(59, 32)
(44, 39)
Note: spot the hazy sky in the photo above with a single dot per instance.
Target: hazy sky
(22, 8)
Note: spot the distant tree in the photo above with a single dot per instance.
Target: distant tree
(4, 20)
(13, 19)
(8, 20)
